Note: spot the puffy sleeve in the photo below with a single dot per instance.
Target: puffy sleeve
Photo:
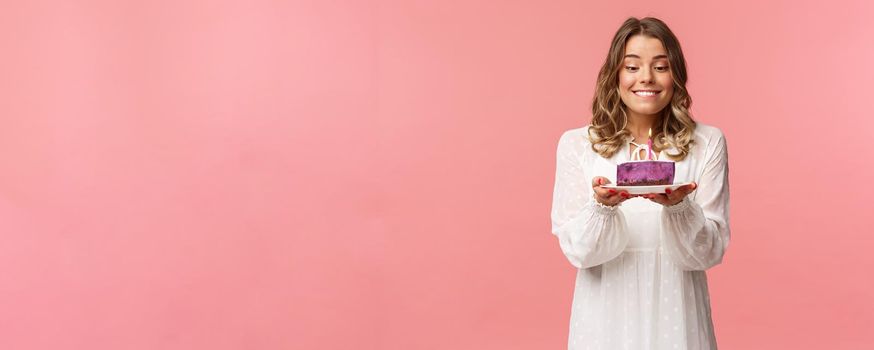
(696, 233)
(588, 232)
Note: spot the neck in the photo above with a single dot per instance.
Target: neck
(639, 125)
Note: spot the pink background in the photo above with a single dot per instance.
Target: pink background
(378, 175)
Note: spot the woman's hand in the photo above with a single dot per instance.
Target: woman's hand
(608, 196)
(670, 198)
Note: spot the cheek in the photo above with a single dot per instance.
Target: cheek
(625, 81)
(669, 90)
(668, 84)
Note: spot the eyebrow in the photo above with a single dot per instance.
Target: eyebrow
(655, 58)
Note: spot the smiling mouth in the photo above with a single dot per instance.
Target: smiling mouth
(646, 93)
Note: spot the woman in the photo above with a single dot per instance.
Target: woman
(641, 259)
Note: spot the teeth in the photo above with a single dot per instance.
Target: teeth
(645, 93)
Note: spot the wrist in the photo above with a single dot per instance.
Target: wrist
(604, 208)
(682, 205)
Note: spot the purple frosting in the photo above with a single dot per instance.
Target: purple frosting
(645, 173)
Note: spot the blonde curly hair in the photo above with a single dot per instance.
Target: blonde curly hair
(675, 126)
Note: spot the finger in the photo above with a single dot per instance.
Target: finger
(669, 191)
(669, 194)
(658, 198)
(599, 180)
(604, 192)
(616, 197)
(681, 191)
(684, 191)
(619, 196)
(677, 195)
(688, 188)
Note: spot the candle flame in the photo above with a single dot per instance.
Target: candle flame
(650, 132)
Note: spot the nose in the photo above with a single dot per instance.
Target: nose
(645, 76)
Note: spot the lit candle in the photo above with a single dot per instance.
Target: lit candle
(649, 146)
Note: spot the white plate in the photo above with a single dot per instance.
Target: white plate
(646, 189)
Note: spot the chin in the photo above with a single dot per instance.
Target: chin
(649, 111)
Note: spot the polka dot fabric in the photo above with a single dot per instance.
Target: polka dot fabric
(641, 280)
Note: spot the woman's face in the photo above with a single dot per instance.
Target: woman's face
(645, 83)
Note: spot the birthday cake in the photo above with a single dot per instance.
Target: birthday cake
(645, 173)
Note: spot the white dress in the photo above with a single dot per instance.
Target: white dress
(641, 281)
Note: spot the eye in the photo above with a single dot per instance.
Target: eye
(630, 67)
(662, 69)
